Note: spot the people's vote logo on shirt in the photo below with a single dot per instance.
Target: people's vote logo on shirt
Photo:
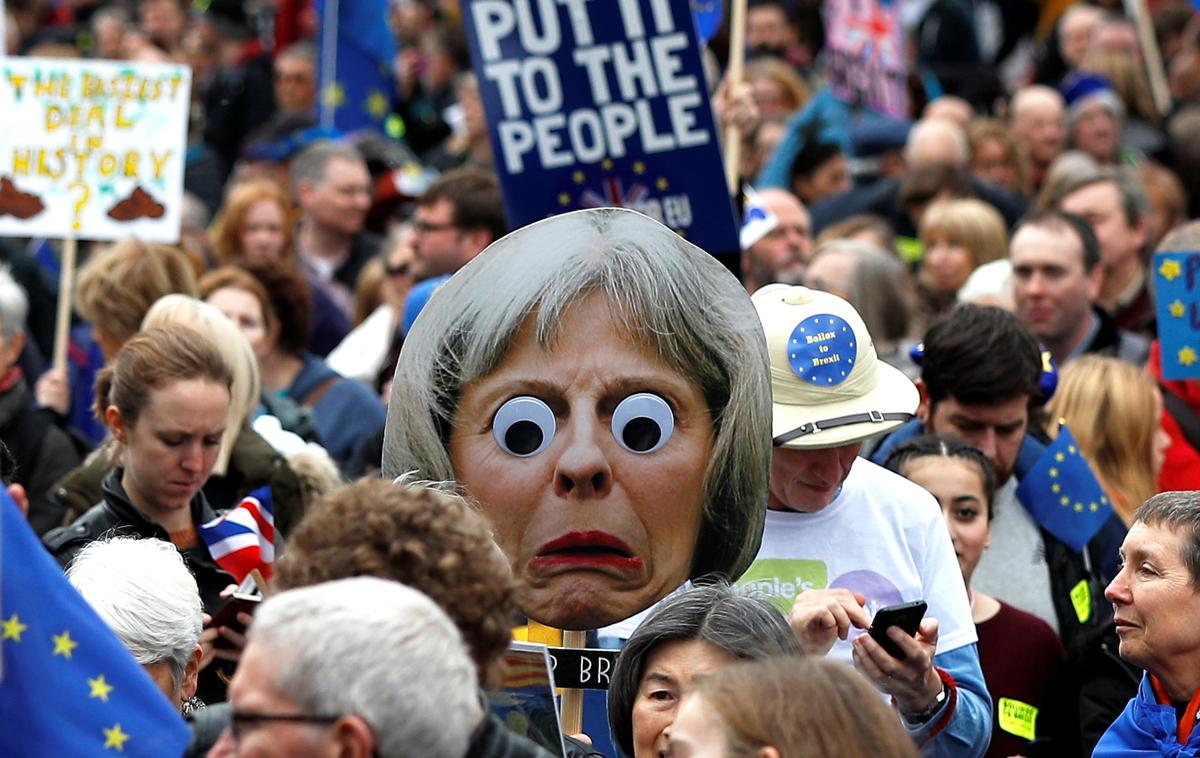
(822, 350)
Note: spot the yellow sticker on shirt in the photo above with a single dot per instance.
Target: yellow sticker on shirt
(1018, 718)
(1081, 598)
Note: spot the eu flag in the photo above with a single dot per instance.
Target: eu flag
(68, 687)
(1063, 495)
(354, 65)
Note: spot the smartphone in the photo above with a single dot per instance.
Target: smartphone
(907, 616)
(245, 599)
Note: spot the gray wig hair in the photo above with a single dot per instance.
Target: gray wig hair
(671, 295)
(746, 627)
(378, 650)
(146, 595)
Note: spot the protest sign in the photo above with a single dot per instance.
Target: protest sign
(583, 668)
(526, 702)
(601, 104)
(1177, 291)
(92, 149)
(865, 56)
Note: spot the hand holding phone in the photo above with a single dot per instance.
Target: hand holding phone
(245, 599)
(907, 616)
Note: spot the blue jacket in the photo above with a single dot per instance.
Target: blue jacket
(345, 413)
(969, 729)
(1146, 728)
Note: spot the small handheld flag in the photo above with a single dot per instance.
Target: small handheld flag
(243, 539)
(1063, 495)
(68, 687)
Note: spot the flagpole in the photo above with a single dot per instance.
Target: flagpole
(733, 77)
(329, 37)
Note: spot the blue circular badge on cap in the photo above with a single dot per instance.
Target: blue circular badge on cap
(822, 350)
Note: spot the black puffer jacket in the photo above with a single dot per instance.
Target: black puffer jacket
(116, 515)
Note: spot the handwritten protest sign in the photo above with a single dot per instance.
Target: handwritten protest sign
(601, 104)
(92, 149)
(866, 64)
(1177, 291)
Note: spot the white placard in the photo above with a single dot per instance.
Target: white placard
(92, 148)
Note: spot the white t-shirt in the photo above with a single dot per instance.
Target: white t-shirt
(882, 536)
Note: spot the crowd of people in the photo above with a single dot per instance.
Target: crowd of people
(725, 468)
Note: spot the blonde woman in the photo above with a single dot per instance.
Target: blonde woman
(958, 236)
(1114, 410)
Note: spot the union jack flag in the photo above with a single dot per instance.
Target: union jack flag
(243, 539)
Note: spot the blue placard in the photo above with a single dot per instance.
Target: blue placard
(595, 104)
(1177, 290)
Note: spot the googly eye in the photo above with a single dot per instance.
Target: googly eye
(643, 423)
(523, 426)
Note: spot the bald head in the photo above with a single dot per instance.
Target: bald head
(1039, 123)
(949, 108)
(936, 140)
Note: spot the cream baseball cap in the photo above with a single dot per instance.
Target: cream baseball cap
(828, 386)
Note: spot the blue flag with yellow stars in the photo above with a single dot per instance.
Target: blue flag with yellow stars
(1063, 495)
(68, 687)
(1177, 299)
(356, 52)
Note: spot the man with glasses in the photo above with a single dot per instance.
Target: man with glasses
(314, 680)
(460, 214)
(296, 79)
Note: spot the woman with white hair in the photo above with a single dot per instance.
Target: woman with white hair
(599, 386)
(147, 596)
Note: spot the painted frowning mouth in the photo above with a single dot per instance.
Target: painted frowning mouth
(586, 550)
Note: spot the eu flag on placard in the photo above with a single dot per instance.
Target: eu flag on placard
(356, 52)
(68, 687)
(1063, 495)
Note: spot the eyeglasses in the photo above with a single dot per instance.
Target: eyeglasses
(428, 227)
(241, 720)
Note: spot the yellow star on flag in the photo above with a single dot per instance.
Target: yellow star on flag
(1056, 488)
(639, 167)
(1065, 500)
(13, 628)
(377, 104)
(606, 164)
(334, 96)
(1170, 269)
(1053, 471)
(1093, 507)
(115, 738)
(100, 688)
(63, 644)
(564, 198)
(577, 177)
(1177, 308)
(1059, 457)
(1078, 507)
(1103, 500)
(661, 183)
(1071, 449)
(1187, 356)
